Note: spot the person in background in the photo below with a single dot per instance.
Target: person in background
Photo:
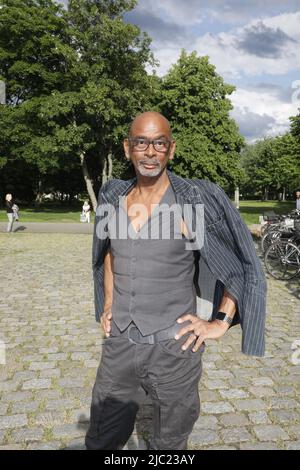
(10, 212)
(86, 209)
(298, 200)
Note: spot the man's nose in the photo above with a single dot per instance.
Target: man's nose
(150, 151)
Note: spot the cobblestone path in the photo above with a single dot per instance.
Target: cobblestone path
(53, 346)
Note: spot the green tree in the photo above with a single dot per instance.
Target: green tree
(194, 99)
(80, 119)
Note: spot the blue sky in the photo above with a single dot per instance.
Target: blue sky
(254, 45)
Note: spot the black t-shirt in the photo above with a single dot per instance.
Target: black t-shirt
(9, 205)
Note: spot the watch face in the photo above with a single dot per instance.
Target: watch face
(220, 316)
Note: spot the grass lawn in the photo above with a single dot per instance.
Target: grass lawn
(249, 210)
(47, 213)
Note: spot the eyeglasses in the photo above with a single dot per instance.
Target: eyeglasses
(141, 144)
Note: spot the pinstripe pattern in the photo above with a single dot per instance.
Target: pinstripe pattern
(228, 255)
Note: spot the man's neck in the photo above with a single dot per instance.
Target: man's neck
(147, 185)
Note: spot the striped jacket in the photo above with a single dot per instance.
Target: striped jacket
(226, 259)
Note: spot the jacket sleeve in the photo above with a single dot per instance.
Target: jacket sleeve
(99, 249)
(241, 247)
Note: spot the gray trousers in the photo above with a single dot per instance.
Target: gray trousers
(11, 219)
(128, 372)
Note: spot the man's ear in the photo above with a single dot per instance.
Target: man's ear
(172, 150)
(126, 148)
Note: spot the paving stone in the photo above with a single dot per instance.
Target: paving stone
(22, 407)
(216, 384)
(233, 393)
(80, 356)
(27, 435)
(217, 407)
(57, 357)
(262, 391)
(285, 416)
(41, 365)
(17, 396)
(71, 382)
(293, 445)
(236, 434)
(3, 408)
(12, 447)
(270, 433)
(49, 373)
(9, 386)
(54, 445)
(250, 405)
(68, 430)
(76, 444)
(262, 382)
(234, 419)
(36, 384)
(204, 437)
(2, 436)
(49, 394)
(206, 422)
(259, 417)
(62, 404)
(13, 421)
(283, 403)
(50, 418)
(25, 375)
(293, 431)
(259, 446)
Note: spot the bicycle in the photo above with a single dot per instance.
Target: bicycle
(282, 258)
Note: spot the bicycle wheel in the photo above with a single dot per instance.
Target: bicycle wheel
(282, 260)
(268, 238)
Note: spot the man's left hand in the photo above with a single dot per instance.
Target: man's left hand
(200, 330)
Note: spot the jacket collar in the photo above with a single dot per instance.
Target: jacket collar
(183, 188)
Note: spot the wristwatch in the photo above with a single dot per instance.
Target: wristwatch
(224, 317)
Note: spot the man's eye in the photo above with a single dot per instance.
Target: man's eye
(160, 143)
(140, 141)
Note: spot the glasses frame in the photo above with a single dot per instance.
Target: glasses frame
(131, 140)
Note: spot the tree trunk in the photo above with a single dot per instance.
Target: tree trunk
(283, 194)
(266, 197)
(237, 198)
(107, 168)
(39, 196)
(88, 181)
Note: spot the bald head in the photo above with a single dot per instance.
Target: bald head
(151, 120)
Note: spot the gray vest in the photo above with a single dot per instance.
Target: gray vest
(153, 278)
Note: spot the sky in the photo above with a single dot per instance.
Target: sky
(254, 44)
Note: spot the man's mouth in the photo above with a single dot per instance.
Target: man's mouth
(149, 165)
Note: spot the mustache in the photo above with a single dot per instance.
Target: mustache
(148, 162)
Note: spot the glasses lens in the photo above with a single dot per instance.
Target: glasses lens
(161, 145)
(140, 144)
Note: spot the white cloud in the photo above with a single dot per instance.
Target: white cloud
(232, 61)
(267, 114)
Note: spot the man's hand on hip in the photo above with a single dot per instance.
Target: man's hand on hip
(200, 330)
(106, 321)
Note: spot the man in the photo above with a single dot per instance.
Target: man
(145, 292)
(298, 200)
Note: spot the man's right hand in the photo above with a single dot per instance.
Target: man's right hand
(106, 321)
